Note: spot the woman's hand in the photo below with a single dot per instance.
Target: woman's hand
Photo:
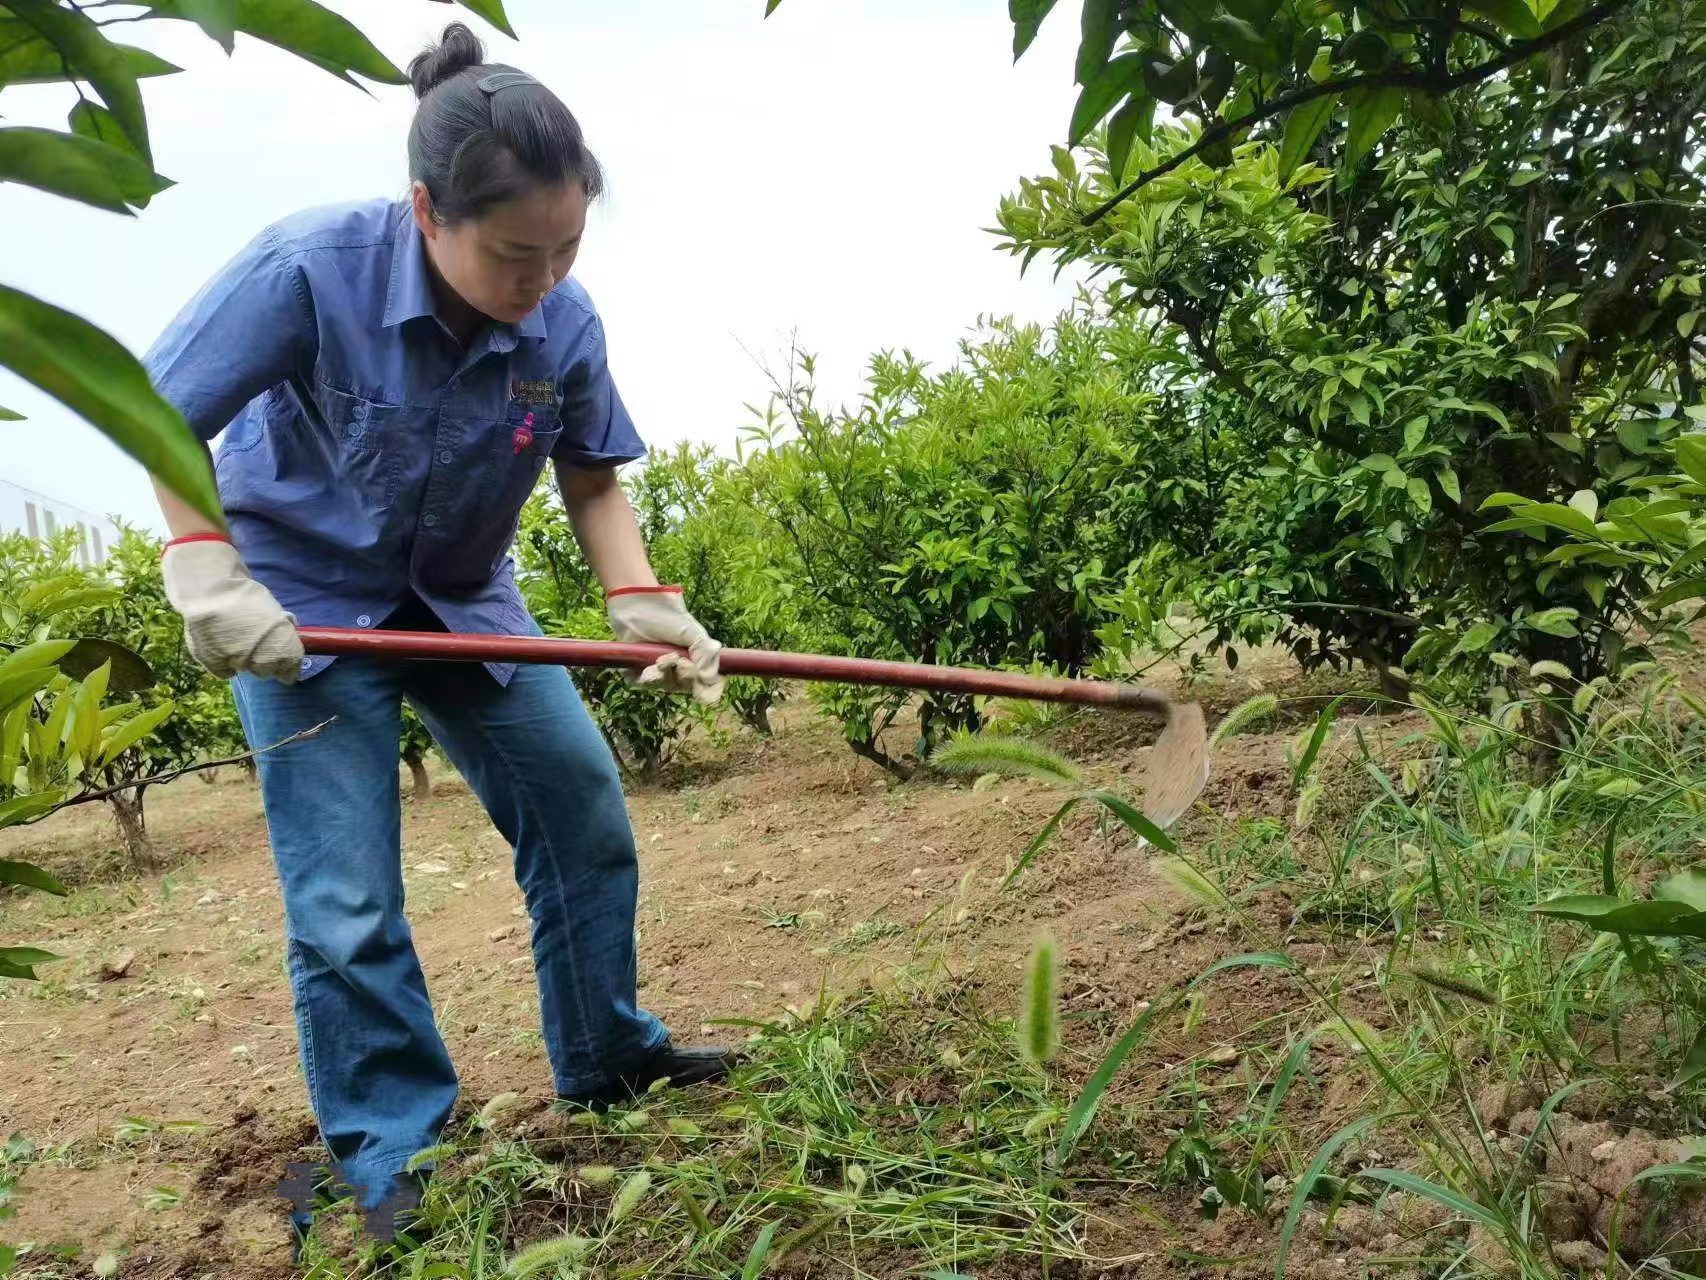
(231, 622)
(641, 611)
(657, 615)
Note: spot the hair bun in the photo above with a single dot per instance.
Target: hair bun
(457, 49)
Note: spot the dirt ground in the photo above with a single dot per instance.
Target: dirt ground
(169, 1098)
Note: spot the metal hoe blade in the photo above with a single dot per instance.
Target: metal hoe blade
(1178, 765)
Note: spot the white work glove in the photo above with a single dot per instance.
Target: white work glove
(231, 622)
(656, 615)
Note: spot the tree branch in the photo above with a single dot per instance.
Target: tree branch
(1210, 137)
(172, 775)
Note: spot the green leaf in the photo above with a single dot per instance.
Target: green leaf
(87, 370)
(1136, 119)
(86, 716)
(1097, 33)
(28, 874)
(1448, 481)
(21, 686)
(1420, 494)
(1323, 722)
(1372, 114)
(493, 12)
(1306, 1185)
(1134, 820)
(1502, 499)
(1676, 593)
(1659, 918)
(1247, 960)
(28, 57)
(218, 18)
(35, 657)
(134, 730)
(20, 809)
(78, 168)
(1303, 124)
(1455, 1201)
(14, 726)
(1694, 1065)
(1554, 514)
(92, 57)
(308, 30)
(1027, 16)
(760, 1251)
(1112, 83)
(10, 415)
(1514, 16)
(1691, 456)
(1090, 1097)
(1042, 839)
(27, 955)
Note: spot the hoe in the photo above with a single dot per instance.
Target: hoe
(1178, 765)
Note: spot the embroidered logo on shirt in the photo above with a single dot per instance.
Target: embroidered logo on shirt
(533, 391)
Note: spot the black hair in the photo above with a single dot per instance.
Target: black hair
(485, 133)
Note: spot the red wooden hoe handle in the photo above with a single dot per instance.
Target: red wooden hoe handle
(440, 646)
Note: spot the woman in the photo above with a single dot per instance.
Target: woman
(393, 377)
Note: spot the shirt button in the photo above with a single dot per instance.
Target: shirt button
(364, 621)
(446, 457)
(429, 520)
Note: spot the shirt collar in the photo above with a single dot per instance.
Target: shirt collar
(409, 293)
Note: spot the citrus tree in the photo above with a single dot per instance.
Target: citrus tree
(1493, 296)
(62, 736)
(1287, 70)
(977, 514)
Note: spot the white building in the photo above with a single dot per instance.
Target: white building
(40, 517)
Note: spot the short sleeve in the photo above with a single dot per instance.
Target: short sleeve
(597, 431)
(249, 328)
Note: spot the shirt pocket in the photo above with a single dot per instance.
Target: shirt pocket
(367, 442)
(519, 452)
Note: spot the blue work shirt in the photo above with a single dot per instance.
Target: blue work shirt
(368, 453)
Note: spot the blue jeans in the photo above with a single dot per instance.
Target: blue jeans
(379, 1076)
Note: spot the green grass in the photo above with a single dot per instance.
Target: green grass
(1376, 964)
(885, 1132)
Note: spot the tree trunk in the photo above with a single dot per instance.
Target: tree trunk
(133, 826)
(756, 714)
(882, 759)
(418, 771)
(249, 768)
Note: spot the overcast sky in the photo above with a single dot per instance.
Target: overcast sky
(828, 171)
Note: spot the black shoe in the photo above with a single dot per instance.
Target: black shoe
(397, 1221)
(309, 1188)
(681, 1067)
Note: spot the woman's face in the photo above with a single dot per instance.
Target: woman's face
(504, 262)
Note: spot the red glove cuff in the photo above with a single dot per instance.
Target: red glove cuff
(194, 537)
(642, 591)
